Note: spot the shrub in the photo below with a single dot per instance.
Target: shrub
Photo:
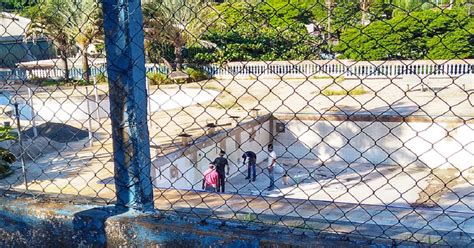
(101, 78)
(196, 74)
(338, 79)
(6, 157)
(356, 91)
(158, 78)
(71, 82)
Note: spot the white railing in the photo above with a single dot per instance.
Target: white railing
(302, 69)
(347, 68)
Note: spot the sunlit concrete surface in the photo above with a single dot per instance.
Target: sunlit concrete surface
(75, 106)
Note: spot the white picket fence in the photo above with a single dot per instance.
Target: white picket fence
(298, 69)
(347, 68)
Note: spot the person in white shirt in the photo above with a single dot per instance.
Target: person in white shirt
(271, 166)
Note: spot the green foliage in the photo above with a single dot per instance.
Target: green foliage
(175, 23)
(67, 23)
(7, 134)
(6, 157)
(427, 34)
(272, 30)
(54, 82)
(250, 217)
(101, 78)
(4, 170)
(158, 78)
(359, 90)
(196, 74)
(275, 30)
(15, 4)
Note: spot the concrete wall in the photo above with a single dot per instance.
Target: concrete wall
(441, 144)
(27, 222)
(184, 168)
(75, 106)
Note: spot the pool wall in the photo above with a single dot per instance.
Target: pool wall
(377, 140)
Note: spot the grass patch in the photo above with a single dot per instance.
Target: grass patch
(197, 74)
(338, 79)
(53, 82)
(300, 225)
(213, 87)
(251, 217)
(359, 90)
(158, 78)
(226, 105)
(101, 78)
(225, 100)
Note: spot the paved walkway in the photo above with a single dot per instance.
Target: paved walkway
(364, 183)
(419, 224)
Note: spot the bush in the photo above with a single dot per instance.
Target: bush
(158, 78)
(71, 82)
(196, 74)
(101, 78)
(5, 171)
(359, 90)
(6, 157)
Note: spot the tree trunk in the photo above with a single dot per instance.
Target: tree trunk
(85, 65)
(329, 9)
(168, 64)
(364, 9)
(178, 56)
(66, 66)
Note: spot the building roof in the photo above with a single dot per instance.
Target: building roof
(75, 62)
(12, 26)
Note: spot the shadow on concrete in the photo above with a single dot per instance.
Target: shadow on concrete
(89, 225)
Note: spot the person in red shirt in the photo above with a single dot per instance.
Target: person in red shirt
(211, 179)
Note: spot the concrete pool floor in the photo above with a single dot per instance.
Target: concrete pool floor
(364, 183)
(86, 171)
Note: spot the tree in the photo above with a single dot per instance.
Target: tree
(427, 34)
(66, 23)
(15, 4)
(364, 7)
(88, 30)
(260, 30)
(176, 23)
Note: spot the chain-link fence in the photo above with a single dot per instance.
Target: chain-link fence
(322, 116)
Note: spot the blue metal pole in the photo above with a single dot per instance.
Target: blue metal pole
(128, 105)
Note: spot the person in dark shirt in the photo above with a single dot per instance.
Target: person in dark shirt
(252, 164)
(222, 165)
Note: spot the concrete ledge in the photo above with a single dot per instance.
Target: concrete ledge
(373, 118)
(26, 222)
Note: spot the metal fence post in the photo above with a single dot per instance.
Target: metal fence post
(149, 101)
(33, 114)
(89, 118)
(124, 43)
(20, 142)
(96, 94)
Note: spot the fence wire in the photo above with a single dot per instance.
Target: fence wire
(322, 116)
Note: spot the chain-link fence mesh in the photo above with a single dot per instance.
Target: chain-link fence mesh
(346, 117)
